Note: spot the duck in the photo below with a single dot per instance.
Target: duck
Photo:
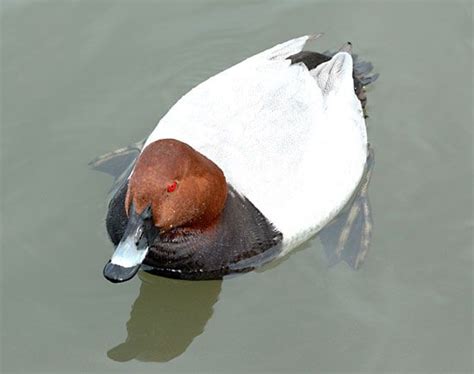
(244, 168)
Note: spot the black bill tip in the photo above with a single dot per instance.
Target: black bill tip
(117, 274)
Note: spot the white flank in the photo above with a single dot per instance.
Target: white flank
(292, 141)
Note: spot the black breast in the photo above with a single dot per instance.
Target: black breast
(242, 240)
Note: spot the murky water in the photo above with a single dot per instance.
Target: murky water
(82, 78)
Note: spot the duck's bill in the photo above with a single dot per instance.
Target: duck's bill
(131, 250)
(116, 273)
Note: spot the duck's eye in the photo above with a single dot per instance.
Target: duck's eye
(172, 187)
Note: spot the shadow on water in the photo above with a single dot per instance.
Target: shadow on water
(165, 318)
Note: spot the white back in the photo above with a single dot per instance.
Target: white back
(292, 141)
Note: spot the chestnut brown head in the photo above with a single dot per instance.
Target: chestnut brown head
(184, 188)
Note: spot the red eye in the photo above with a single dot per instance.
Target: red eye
(171, 187)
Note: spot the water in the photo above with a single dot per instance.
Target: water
(82, 78)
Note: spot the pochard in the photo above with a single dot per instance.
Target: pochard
(244, 168)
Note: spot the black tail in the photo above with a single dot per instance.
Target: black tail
(362, 77)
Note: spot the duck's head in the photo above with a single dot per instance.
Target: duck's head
(173, 190)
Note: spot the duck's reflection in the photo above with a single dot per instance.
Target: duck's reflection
(167, 315)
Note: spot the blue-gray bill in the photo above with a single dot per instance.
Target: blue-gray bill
(132, 249)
